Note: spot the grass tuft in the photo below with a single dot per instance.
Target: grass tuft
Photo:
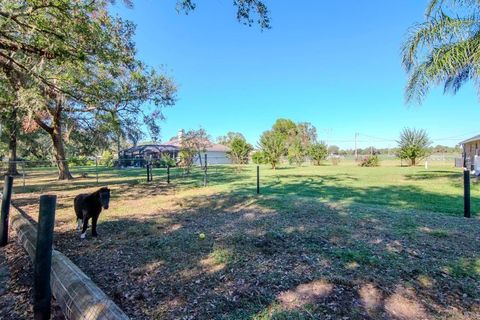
(465, 268)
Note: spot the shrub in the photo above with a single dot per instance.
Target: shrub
(370, 161)
(335, 160)
(167, 160)
(80, 161)
(107, 158)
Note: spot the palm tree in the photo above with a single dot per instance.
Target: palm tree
(413, 145)
(443, 50)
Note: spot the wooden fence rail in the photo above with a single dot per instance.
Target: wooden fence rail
(78, 296)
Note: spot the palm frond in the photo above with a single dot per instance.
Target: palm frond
(452, 65)
(443, 50)
(436, 6)
(441, 30)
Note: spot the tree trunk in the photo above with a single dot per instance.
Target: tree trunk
(55, 132)
(119, 147)
(13, 125)
(59, 152)
(12, 145)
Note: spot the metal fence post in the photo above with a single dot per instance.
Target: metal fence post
(466, 193)
(6, 197)
(43, 258)
(205, 180)
(168, 174)
(258, 179)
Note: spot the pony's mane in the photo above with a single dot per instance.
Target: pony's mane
(102, 189)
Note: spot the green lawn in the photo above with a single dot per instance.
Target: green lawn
(438, 188)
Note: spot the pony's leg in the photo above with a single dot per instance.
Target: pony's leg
(85, 225)
(94, 226)
(79, 224)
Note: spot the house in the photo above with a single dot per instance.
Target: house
(471, 153)
(137, 156)
(216, 153)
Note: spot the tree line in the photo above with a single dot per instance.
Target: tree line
(298, 142)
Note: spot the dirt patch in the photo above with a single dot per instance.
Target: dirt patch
(16, 283)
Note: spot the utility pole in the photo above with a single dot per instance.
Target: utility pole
(356, 153)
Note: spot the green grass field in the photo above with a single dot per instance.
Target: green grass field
(438, 188)
(327, 242)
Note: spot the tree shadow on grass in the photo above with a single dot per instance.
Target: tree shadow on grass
(435, 174)
(267, 256)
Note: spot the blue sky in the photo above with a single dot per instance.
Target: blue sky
(335, 64)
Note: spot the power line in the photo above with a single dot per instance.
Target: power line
(459, 136)
(376, 138)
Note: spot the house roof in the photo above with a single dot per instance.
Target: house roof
(476, 138)
(215, 147)
(151, 148)
(210, 146)
(171, 145)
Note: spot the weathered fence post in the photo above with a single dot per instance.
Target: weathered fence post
(43, 258)
(151, 171)
(466, 193)
(7, 196)
(168, 174)
(205, 181)
(258, 179)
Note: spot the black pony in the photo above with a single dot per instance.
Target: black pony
(89, 206)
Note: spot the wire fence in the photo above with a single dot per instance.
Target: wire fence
(41, 176)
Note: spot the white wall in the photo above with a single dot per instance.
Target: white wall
(213, 157)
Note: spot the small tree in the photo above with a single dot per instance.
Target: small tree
(167, 160)
(296, 153)
(272, 146)
(258, 157)
(107, 158)
(239, 150)
(192, 143)
(227, 139)
(318, 152)
(413, 145)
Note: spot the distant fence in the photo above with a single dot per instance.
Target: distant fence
(40, 176)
